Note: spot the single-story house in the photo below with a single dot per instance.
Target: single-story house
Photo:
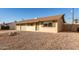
(53, 24)
(45, 24)
(8, 26)
(12, 25)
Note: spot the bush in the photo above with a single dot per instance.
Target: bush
(4, 27)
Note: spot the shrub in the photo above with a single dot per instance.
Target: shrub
(5, 27)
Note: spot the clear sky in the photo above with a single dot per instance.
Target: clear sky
(12, 14)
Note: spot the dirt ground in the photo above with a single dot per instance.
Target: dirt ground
(39, 41)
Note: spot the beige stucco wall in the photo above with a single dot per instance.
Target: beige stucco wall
(12, 26)
(18, 27)
(39, 27)
(71, 27)
(60, 25)
(48, 29)
(74, 27)
(30, 28)
(67, 27)
(25, 28)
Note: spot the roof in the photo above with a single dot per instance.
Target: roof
(49, 18)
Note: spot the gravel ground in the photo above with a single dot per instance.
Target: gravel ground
(40, 41)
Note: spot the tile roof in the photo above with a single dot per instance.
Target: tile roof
(49, 18)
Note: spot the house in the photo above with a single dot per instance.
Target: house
(52, 24)
(12, 25)
(8, 26)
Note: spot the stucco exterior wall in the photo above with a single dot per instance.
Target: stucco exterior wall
(18, 28)
(39, 27)
(71, 27)
(74, 27)
(48, 29)
(60, 25)
(67, 27)
(30, 28)
(12, 26)
(25, 28)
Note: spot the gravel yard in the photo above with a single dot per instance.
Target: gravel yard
(39, 41)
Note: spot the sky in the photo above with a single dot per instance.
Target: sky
(18, 14)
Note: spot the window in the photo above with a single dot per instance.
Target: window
(48, 24)
(44, 25)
